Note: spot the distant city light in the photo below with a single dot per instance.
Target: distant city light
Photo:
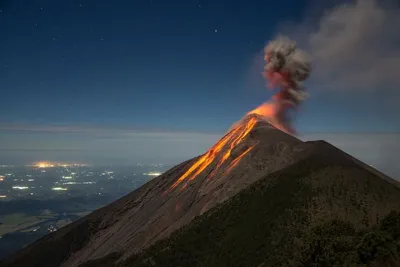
(59, 189)
(78, 183)
(52, 229)
(47, 164)
(3, 196)
(67, 177)
(44, 164)
(69, 183)
(20, 187)
(153, 173)
(2, 178)
(31, 180)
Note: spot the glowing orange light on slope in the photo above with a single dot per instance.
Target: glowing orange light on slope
(234, 138)
(236, 141)
(204, 160)
(269, 110)
(236, 161)
(266, 110)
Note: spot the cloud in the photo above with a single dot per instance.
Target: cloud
(99, 145)
(355, 46)
(88, 130)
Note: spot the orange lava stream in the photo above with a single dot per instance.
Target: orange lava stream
(235, 142)
(234, 137)
(236, 161)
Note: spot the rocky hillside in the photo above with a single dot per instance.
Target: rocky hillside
(286, 187)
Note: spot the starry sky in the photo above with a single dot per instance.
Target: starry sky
(129, 80)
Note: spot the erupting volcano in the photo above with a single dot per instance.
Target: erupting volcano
(286, 67)
(227, 143)
(252, 148)
(251, 151)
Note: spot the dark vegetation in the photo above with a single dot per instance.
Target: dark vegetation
(334, 243)
(305, 215)
(269, 224)
(337, 243)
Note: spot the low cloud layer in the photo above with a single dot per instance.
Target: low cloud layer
(29, 143)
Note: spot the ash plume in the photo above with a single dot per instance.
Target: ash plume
(358, 45)
(354, 48)
(286, 68)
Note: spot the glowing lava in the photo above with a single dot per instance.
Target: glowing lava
(228, 142)
(269, 111)
(236, 161)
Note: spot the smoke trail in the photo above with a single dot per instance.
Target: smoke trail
(286, 68)
(355, 49)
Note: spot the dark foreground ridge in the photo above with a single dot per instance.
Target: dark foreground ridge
(317, 212)
(273, 201)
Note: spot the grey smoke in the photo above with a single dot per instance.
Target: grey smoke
(355, 46)
(285, 57)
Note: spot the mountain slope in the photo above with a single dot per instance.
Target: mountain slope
(248, 152)
(292, 187)
(282, 219)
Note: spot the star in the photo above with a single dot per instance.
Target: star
(215, 30)
(199, 6)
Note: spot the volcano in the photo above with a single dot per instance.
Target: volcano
(254, 168)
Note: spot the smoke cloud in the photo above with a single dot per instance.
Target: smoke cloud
(286, 68)
(355, 46)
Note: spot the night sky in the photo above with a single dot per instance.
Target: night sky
(109, 76)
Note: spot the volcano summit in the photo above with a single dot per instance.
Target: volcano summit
(253, 199)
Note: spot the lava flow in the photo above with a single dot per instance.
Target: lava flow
(228, 142)
(268, 111)
(236, 161)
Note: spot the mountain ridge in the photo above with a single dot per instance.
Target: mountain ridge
(267, 196)
(251, 150)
